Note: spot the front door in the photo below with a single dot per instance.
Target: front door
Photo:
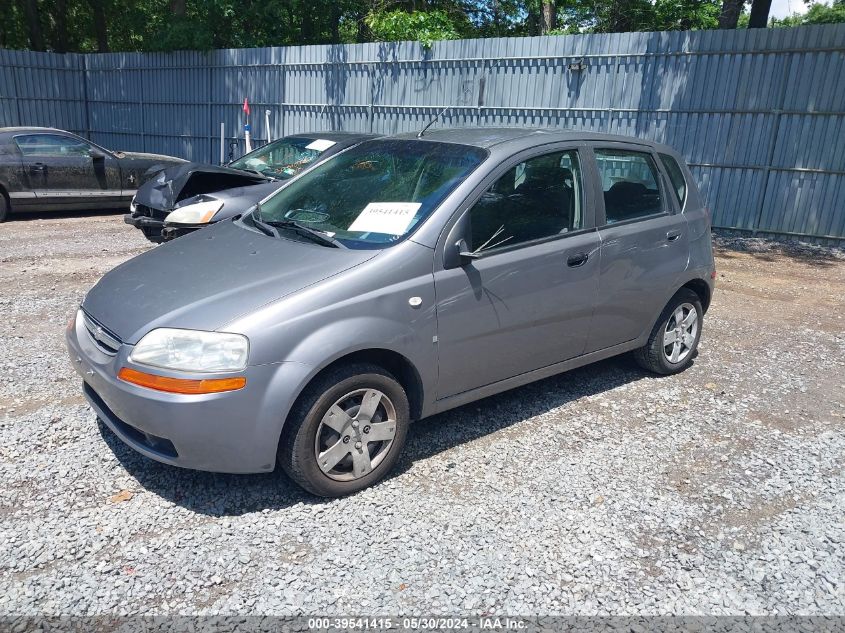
(62, 170)
(644, 246)
(524, 298)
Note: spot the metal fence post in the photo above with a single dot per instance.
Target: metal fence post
(86, 99)
(17, 93)
(371, 80)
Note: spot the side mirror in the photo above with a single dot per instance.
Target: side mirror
(96, 154)
(457, 252)
(465, 255)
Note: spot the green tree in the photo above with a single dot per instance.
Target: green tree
(817, 13)
(425, 27)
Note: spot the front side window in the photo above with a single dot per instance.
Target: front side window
(538, 198)
(284, 158)
(373, 194)
(51, 145)
(629, 182)
(676, 176)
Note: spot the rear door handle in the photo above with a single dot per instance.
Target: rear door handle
(577, 260)
(38, 167)
(673, 235)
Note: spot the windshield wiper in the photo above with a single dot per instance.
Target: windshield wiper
(305, 231)
(251, 171)
(261, 226)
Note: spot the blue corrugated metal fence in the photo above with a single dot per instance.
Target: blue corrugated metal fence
(759, 114)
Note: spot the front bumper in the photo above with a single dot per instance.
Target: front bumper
(143, 222)
(150, 227)
(148, 220)
(172, 231)
(233, 432)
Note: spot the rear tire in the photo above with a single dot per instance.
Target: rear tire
(346, 431)
(674, 339)
(4, 206)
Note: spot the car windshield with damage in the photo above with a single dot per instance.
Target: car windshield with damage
(284, 158)
(372, 195)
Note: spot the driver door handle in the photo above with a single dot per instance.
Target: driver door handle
(673, 235)
(38, 167)
(577, 260)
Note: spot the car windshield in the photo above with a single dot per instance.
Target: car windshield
(283, 158)
(374, 194)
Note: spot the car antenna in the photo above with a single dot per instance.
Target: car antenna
(432, 122)
(440, 114)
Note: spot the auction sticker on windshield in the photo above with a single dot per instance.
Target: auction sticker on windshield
(392, 218)
(320, 145)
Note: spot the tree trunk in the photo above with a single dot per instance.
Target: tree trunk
(533, 21)
(178, 7)
(548, 18)
(33, 25)
(100, 25)
(306, 28)
(335, 25)
(60, 45)
(729, 17)
(621, 18)
(759, 14)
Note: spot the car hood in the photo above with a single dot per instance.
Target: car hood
(206, 279)
(151, 157)
(186, 180)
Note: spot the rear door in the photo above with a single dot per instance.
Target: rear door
(66, 170)
(644, 243)
(525, 300)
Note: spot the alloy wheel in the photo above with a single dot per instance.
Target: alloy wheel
(355, 434)
(680, 333)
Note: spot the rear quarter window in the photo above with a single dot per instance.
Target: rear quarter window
(679, 183)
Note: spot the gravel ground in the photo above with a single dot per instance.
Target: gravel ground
(601, 491)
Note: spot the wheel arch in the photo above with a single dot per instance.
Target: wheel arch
(391, 361)
(702, 289)
(4, 191)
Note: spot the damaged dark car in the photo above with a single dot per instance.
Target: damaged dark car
(188, 197)
(45, 169)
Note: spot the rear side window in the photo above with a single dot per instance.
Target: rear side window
(629, 183)
(676, 176)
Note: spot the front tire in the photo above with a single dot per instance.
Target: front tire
(346, 431)
(674, 339)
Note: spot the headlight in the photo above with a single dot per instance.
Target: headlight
(192, 350)
(199, 213)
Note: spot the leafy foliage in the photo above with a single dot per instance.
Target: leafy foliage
(817, 13)
(164, 25)
(425, 27)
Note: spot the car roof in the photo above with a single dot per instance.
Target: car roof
(18, 130)
(516, 138)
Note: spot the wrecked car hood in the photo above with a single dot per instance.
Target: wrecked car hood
(187, 180)
(208, 278)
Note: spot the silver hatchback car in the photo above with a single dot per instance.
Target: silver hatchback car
(403, 277)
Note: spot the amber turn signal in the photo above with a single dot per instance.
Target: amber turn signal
(180, 385)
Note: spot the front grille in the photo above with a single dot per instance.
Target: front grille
(149, 212)
(157, 444)
(105, 341)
